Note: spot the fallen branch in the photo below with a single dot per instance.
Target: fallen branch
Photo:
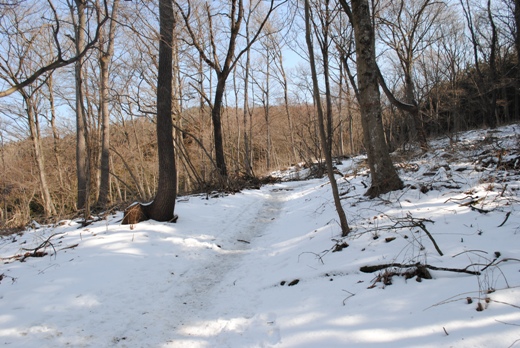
(375, 268)
(481, 211)
(36, 252)
(472, 202)
(411, 222)
(39, 251)
(421, 225)
(70, 246)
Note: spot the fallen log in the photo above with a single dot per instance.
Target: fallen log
(375, 268)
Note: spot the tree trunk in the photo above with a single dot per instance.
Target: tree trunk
(55, 135)
(383, 174)
(415, 113)
(104, 61)
(285, 84)
(223, 67)
(163, 206)
(217, 126)
(492, 116)
(325, 143)
(247, 150)
(82, 158)
(32, 119)
(266, 113)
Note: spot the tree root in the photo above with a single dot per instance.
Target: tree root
(134, 214)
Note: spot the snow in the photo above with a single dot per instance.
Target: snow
(220, 276)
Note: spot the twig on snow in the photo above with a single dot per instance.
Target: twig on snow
(310, 252)
(507, 217)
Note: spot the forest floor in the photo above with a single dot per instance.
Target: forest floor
(268, 267)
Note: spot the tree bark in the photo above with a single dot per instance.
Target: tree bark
(82, 158)
(383, 174)
(220, 159)
(163, 206)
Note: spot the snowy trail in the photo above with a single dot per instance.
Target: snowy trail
(210, 280)
(134, 288)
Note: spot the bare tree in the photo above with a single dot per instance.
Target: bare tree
(23, 50)
(60, 59)
(493, 57)
(163, 206)
(106, 52)
(325, 135)
(409, 28)
(78, 13)
(488, 100)
(222, 63)
(247, 114)
(281, 76)
(383, 174)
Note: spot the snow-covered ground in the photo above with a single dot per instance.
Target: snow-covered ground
(258, 268)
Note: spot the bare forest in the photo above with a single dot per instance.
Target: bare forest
(93, 92)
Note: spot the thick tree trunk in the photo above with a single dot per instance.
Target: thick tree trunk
(217, 126)
(163, 206)
(383, 174)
